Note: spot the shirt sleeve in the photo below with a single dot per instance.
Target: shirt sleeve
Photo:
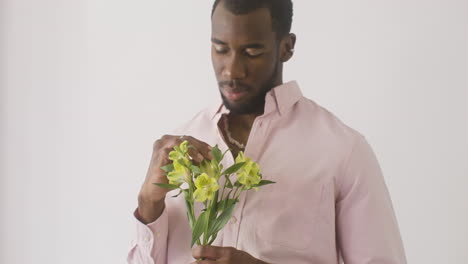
(150, 245)
(367, 229)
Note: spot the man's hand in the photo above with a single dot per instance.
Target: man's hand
(151, 197)
(224, 255)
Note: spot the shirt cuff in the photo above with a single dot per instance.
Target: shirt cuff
(150, 234)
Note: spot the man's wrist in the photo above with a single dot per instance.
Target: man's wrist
(149, 213)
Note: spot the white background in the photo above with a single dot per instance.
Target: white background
(87, 86)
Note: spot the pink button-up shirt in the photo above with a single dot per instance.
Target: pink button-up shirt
(329, 203)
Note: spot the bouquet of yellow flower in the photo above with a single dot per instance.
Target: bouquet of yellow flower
(203, 186)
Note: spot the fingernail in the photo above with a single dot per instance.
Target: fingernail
(200, 156)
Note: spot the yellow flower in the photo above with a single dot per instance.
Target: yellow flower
(210, 168)
(206, 187)
(249, 174)
(180, 154)
(184, 146)
(179, 175)
(176, 155)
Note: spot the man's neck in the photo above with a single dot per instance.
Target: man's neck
(241, 125)
(242, 122)
(239, 128)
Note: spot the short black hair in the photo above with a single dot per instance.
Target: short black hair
(281, 11)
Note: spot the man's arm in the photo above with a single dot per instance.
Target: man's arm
(150, 245)
(367, 229)
(152, 215)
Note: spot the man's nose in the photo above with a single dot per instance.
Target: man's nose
(234, 68)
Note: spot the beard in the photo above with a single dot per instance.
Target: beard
(255, 104)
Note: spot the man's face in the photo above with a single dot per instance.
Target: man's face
(245, 58)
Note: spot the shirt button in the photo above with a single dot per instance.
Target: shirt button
(147, 238)
(233, 219)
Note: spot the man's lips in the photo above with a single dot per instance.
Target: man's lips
(235, 94)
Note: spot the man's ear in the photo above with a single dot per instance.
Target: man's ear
(287, 47)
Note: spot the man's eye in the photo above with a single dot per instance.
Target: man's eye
(220, 50)
(253, 53)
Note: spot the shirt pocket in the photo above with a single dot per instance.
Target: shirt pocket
(287, 213)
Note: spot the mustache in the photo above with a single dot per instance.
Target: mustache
(235, 85)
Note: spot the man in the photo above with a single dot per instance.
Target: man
(329, 203)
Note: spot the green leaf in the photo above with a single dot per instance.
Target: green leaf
(213, 213)
(237, 184)
(223, 202)
(221, 205)
(177, 194)
(188, 205)
(196, 169)
(218, 156)
(234, 168)
(213, 210)
(213, 239)
(176, 148)
(263, 182)
(199, 227)
(167, 168)
(216, 165)
(166, 185)
(190, 220)
(231, 202)
(222, 157)
(228, 181)
(222, 220)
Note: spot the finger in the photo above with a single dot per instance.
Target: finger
(198, 150)
(192, 151)
(201, 147)
(195, 155)
(208, 252)
(164, 156)
(158, 159)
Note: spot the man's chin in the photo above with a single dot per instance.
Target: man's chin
(234, 107)
(243, 107)
(240, 109)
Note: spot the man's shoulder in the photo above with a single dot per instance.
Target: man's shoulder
(329, 134)
(327, 122)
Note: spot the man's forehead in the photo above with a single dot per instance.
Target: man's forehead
(253, 26)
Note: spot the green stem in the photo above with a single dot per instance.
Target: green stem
(192, 211)
(234, 195)
(212, 239)
(225, 182)
(208, 211)
(241, 189)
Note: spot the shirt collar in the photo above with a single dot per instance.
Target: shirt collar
(279, 98)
